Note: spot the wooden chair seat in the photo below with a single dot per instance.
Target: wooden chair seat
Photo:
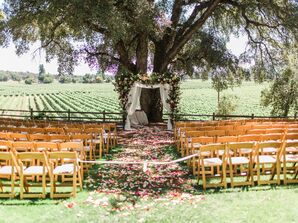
(7, 170)
(245, 150)
(263, 159)
(238, 160)
(34, 170)
(64, 169)
(270, 150)
(212, 162)
(291, 158)
(292, 149)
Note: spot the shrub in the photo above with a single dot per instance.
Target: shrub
(227, 104)
(282, 94)
(47, 79)
(29, 80)
(64, 79)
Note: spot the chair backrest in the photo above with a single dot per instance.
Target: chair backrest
(59, 138)
(58, 158)
(72, 131)
(46, 146)
(235, 132)
(272, 137)
(25, 156)
(72, 146)
(23, 146)
(36, 130)
(249, 138)
(39, 137)
(54, 130)
(256, 131)
(4, 136)
(214, 149)
(18, 136)
(202, 140)
(291, 136)
(275, 130)
(215, 133)
(238, 147)
(262, 145)
(225, 139)
(5, 145)
(8, 158)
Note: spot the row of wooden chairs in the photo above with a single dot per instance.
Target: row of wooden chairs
(95, 144)
(192, 143)
(102, 141)
(236, 129)
(51, 123)
(240, 163)
(109, 131)
(41, 170)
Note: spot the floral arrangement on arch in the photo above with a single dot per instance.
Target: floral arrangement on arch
(125, 80)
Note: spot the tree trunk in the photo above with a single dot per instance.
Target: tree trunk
(218, 98)
(151, 104)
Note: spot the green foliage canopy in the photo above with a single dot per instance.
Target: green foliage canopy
(184, 36)
(282, 94)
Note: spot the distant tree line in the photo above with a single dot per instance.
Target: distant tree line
(46, 78)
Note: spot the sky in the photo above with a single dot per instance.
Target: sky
(31, 61)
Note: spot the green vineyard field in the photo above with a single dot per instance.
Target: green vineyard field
(197, 97)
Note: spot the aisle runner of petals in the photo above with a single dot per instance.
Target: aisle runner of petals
(132, 182)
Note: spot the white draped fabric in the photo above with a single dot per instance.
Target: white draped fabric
(133, 103)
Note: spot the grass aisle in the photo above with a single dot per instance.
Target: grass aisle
(132, 193)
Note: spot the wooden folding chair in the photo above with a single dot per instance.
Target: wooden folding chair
(267, 155)
(32, 165)
(237, 161)
(86, 139)
(112, 132)
(196, 143)
(98, 140)
(64, 164)
(289, 160)
(8, 171)
(186, 139)
(209, 157)
(77, 147)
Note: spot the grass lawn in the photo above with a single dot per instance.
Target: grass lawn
(242, 204)
(257, 204)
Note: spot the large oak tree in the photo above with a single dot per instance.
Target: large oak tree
(140, 36)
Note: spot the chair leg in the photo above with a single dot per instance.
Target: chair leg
(203, 177)
(258, 173)
(231, 175)
(21, 187)
(52, 187)
(43, 186)
(224, 173)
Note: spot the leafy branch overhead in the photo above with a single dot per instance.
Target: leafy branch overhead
(144, 35)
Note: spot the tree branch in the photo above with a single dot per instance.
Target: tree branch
(180, 41)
